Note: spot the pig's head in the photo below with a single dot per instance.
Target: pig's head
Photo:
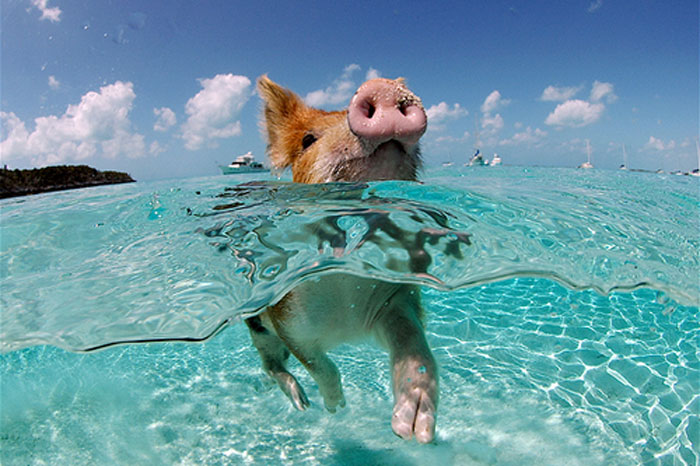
(376, 138)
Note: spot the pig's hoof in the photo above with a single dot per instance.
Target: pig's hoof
(415, 408)
(299, 399)
(293, 390)
(332, 403)
(414, 415)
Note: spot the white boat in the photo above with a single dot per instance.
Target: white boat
(243, 164)
(477, 159)
(496, 160)
(696, 172)
(588, 163)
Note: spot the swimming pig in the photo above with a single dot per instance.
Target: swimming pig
(376, 138)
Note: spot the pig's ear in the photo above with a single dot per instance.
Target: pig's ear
(282, 107)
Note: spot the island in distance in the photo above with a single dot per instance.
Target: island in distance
(39, 180)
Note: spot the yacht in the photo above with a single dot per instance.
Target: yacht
(243, 164)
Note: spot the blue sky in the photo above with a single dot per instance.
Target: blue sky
(167, 89)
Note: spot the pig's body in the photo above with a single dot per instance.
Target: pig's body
(376, 139)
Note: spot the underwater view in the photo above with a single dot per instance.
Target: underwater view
(349, 233)
(561, 307)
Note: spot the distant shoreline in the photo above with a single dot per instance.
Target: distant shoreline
(20, 182)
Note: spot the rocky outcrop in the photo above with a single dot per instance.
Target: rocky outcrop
(39, 180)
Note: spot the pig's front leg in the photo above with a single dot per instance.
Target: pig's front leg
(414, 371)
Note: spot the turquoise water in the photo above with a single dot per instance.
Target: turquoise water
(562, 309)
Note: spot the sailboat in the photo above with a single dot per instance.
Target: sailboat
(624, 159)
(477, 159)
(696, 172)
(588, 163)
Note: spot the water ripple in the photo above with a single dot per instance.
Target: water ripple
(164, 261)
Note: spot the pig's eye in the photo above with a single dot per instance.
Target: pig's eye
(308, 140)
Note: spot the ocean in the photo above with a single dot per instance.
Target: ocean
(562, 309)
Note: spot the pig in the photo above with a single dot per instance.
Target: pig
(376, 138)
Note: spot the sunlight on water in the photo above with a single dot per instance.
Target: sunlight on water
(562, 310)
(531, 373)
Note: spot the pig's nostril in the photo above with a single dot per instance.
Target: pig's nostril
(370, 110)
(402, 108)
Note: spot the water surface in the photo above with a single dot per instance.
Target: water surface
(562, 309)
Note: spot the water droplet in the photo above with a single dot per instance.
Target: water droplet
(156, 213)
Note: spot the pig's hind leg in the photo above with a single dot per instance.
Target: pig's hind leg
(274, 355)
(322, 369)
(414, 371)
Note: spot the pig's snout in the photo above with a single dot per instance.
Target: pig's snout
(384, 110)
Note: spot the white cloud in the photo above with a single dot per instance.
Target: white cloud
(54, 83)
(525, 137)
(461, 139)
(491, 124)
(15, 144)
(601, 90)
(559, 94)
(372, 74)
(575, 113)
(53, 14)
(98, 124)
(166, 119)
(493, 101)
(337, 93)
(213, 110)
(658, 145)
(442, 111)
(155, 148)
(595, 5)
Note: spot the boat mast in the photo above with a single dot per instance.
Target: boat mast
(477, 143)
(588, 150)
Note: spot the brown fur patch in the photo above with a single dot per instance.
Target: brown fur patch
(287, 120)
